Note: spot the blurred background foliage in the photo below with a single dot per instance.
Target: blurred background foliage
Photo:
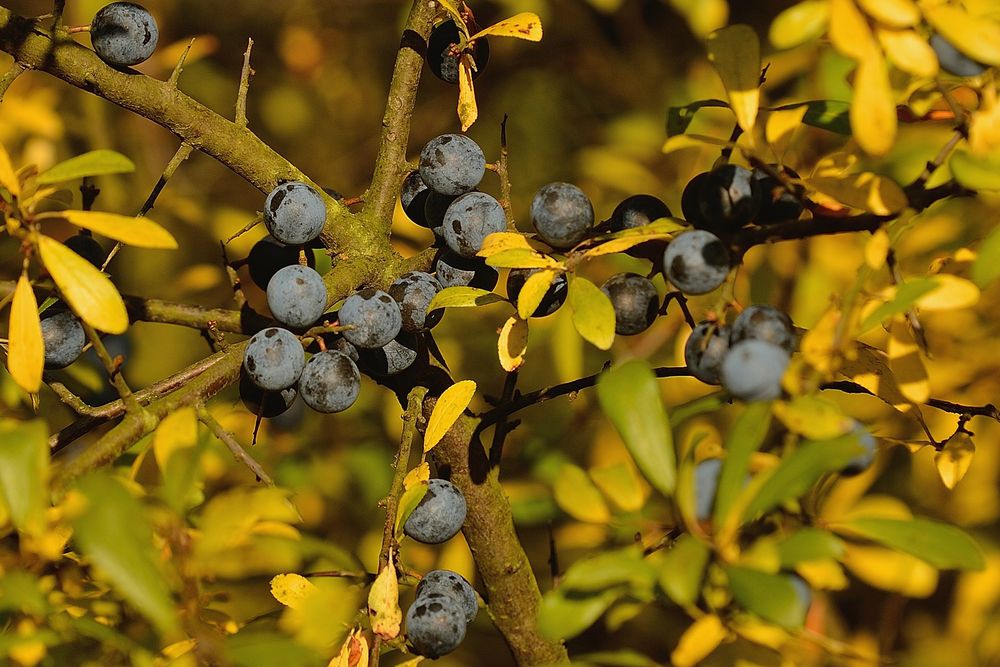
(587, 105)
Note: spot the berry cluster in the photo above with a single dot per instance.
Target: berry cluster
(437, 620)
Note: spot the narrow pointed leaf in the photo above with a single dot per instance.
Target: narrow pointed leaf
(95, 163)
(449, 407)
(135, 231)
(939, 544)
(745, 437)
(735, 52)
(88, 291)
(593, 314)
(26, 352)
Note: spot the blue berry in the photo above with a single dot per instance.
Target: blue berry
(454, 270)
(394, 357)
(440, 514)
(330, 382)
(696, 262)
(452, 164)
(373, 317)
(954, 61)
(706, 482)
(637, 211)
(294, 213)
(63, 339)
(453, 584)
(274, 359)
(705, 350)
(88, 247)
(635, 300)
(268, 256)
(752, 370)
(763, 322)
(777, 204)
(435, 624)
(412, 198)
(265, 403)
(469, 220)
(123, 34)
(554, 297)
(862, 461)
(442, 57)
(562, 214)
(730, 197)
(691, 201)
(413, 292)
(296, 296)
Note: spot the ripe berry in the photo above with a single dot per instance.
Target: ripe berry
(706, 481)
(268, 256)
(435, 208)
(453, 584)
(763, 322)
(635, 300)
(691, 201)
(373, 317)
(638, 210)
(730, 198)
(294, 213)
(554, 297)
(456, 271)
(469, 220)
(777, 204)
(441, 56)
(562, 214)
(394, 357)
(413, 292)
(435, 624)
(330, 382)
(274, 359)
(752, 370)
(954, 61)
(696, 262)
(88, 247)
(262, 403)
(63, 339)
(705, 350)
(123, 34)
(412, 198)
(440, 514)
(452, 164)
(862, 461)
(296, 296)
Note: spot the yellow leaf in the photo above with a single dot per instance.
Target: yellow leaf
(523, 26)
(578, 497)
(951, 293)
(682, 141)
(662, 229)
(354, 652)
(621, 484)
(825, 574)
(452, 9)
(871, 370)
(909, 52)
(512, 343)
(291, 589)
(891, 570)
(26, 351)
(877, 249)
(450, 406)
(521, 258)
(849, 31)
(984, 126)
(468, 112)
(813, 417)
(421, 473)
(500, 241)
(905, 363)
(178, 430)
(698, 641)
(735, 52)
(409, 501)
(8, 177)
(593, 314)
(88, 291)
(799, 23)
(412, 662)
(975, 36)
(533, 291)
(703, 16)
(383, 603)
(867, 191)
(954, 459)
(873, 109)
(177, 649)
(759, 632)
(893, 13)
(817, 345)
(780, 127)
(135, 231)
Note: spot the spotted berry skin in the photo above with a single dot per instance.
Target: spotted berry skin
(296, 296)
(763, 322)
(469, 220)
(730, 197)
(454, 270)
(638, 211)
(752, 370)
(262, 403)
(435, 624)
(412, 198)
(413, 292)
(554, 297)
(330, 382)
(440, 57)
(562, 214)
(394, 357)
(705, 350)
(294, 213)
(453, 584)
(274, 359)
(440, 514)
(635, 300)
(696, 262)
(954, 61)
(373, 317)
(452, 164)
(706, 481)
(63, 338)
(124, 34)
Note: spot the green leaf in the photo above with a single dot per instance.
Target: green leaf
(986, 267)
(563, 615)
(116, 536)
(624, 567)
(800, 470)
(94, 163)
(462, 297)
(265, 649)
(620, 658)
(978, 172)
(809, 544)
(593, 314)
(630, 396)
(20, 592)
(829, 115)
(906, 295)
(679, 118)
(699, 406)
(683, 569)
(770, 596)
(745, 438)
(939, 544)
(24, 472)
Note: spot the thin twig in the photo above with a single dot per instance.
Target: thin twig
(241, 95)
(179, 67)
(16, 70)
(503, 173)
(229, 440)
(113, 368)
(77, 404)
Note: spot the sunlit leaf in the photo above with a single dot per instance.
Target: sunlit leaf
(26, 351)
(800, 23)
(354, 652)
(449, 407)
(291, 589)
(24, 472)
(902, 297)
(8, 176)
(408, 502)
(662, 229)
(500, 241)
(564, 616)
(890, 570)
(578, 497)
(683, 569)
(830, 115)
(978, 172)
(521, 258)
(383, 603)
(526, 25)
(621, 567)
(873, 110)
(621, 485)
(593, 314)
(703, 16)
(908, 51)
(468, 111)
(682, 141)
(809, 544)
(813, 417)
(949, 293)
(88, 291)
(94, 163)
(905, 363)
(954, 459)
(893, 13)
(533, 291)
(877, 249)
(512, 343)
(866, 191)
(698, 641)
(849, 31)
(939, 544)
(735, 52)
(462, 297)
(135, 231)
(781, 126)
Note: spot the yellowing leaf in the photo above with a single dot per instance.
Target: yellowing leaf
(818, 344)
(578, 497)
(291, 589)
(877, 249)
(88, 291)
(799, 23)
(682, 141)
(662, 229)
(735, 52)
(976, 37)
(849, 30)
(813, 417)
(893, 13)
(780, 127)
(178, 430)
(468, 112)
(462, 297)
(450, 406)
(421, 473)
(24, 475)
(873, 109)
(92, 163)
(500, 241)
(8, 177)
(383, 603)
(891, 570)
(866, 191)
(984, 126)
(512, 343)
(26, 352)
(354, 652)
(533, 291)
(905, 363)
(909, 52)
(135, 231)
(951, 293)
(521, 258)
(452, 9)
(523, 26)
(703, 16)
(954, 459)
(824, 574)
(621, 485)
(698, 641)
(409, 501)
(593, 314)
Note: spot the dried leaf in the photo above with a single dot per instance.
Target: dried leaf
(525, 25)
(383, 603)
(513, 343)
